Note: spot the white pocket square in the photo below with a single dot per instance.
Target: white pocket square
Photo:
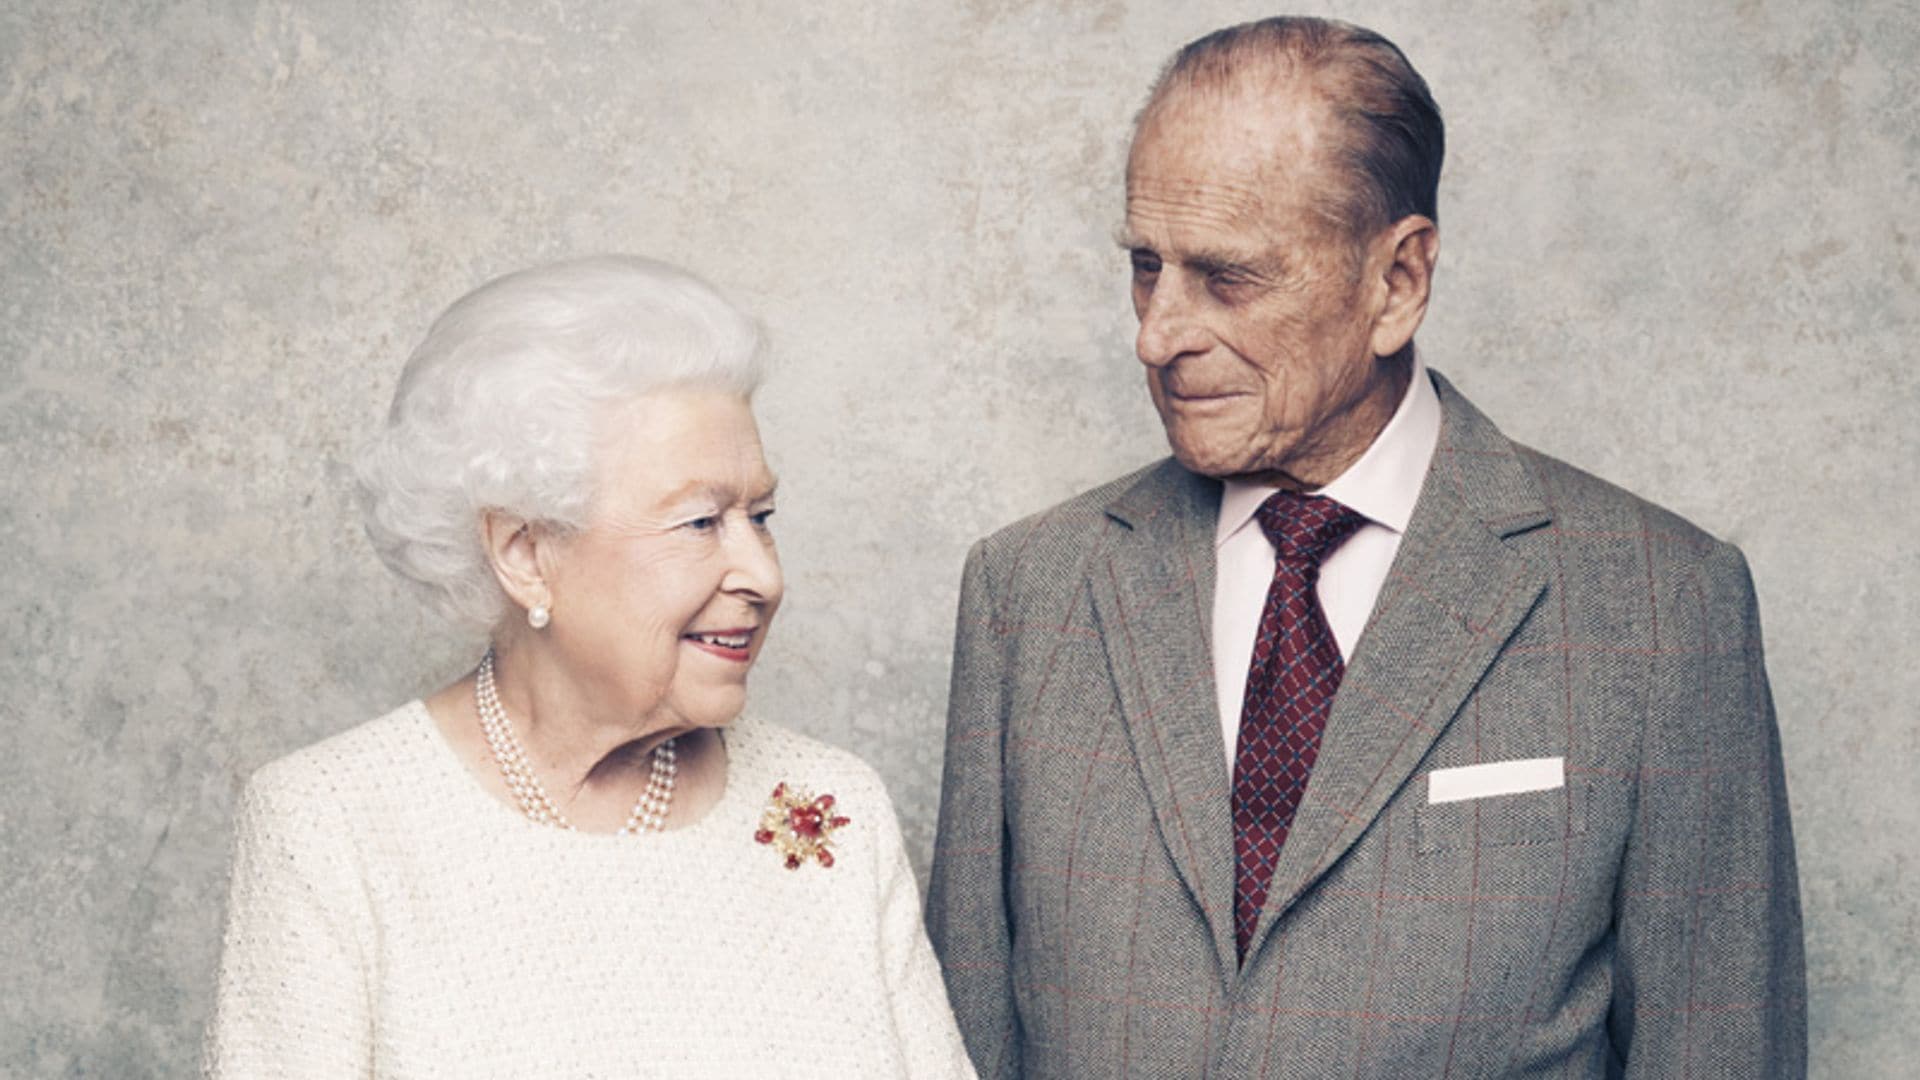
(1496, 778)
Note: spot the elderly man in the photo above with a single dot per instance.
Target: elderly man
(1355, 739)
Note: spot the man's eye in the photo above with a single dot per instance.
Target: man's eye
(1145, 265)
(1227, 282)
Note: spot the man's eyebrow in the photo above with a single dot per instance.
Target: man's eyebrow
(1212, 263)
(1256, 264)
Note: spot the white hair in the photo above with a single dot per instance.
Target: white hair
(499, 407)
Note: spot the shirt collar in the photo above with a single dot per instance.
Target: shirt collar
(1382, 486)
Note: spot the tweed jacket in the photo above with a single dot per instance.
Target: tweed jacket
(1641, 919)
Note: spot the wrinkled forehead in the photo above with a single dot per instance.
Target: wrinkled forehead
(1250, 129)
(1252, 151)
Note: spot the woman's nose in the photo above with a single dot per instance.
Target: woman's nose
(754, 564)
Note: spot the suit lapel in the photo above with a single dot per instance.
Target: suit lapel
(1153, 596)
(1455, 594)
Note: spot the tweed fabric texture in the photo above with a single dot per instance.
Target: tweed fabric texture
(1640, 921)
(1292, 675)
(388, 918)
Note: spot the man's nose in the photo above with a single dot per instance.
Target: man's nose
(1169, 328)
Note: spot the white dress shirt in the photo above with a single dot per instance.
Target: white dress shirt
(1382, 485)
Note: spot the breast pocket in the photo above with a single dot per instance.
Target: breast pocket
(1553, 816)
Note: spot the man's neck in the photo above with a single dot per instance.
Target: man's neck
(1334, 449)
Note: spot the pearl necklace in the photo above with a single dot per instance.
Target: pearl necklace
(649, 814)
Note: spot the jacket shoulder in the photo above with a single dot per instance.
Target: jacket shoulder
(1075, 515)
(1049, 547)
(1681, 559)
(1584, 514)
(1583, 502)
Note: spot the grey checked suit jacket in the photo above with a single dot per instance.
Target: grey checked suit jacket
(1641, 921)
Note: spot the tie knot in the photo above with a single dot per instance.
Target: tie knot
(1304, 528)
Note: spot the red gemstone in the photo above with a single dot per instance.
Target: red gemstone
(839, 821)
(825, 857)
(779, 790)
(793, 862)
(805, 820)
(824, 802)
(763, 836)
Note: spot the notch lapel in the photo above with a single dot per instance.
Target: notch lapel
(1455, 594)
(1152, 595)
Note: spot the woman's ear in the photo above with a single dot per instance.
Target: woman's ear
(515, 551)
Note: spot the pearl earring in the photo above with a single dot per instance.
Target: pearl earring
(538, 616)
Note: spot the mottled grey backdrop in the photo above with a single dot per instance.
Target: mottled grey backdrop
(1679, 251)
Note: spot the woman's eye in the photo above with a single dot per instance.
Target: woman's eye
(702, 524)
(761, 519)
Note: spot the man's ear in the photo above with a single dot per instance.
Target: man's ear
(516, 552)
(1405, 253)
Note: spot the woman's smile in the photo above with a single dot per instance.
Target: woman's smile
(734, 645)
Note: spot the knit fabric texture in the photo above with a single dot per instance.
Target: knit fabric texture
(389, 918)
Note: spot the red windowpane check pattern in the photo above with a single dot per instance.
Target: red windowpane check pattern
(1295, 670)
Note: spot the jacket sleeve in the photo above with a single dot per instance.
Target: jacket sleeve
(967, 903)
(292, 998)
(930, 1044)
(1709, 974)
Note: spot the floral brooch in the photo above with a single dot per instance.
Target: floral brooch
(799, 826)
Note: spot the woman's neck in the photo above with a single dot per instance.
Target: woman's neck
(574, 742)
(592, 762)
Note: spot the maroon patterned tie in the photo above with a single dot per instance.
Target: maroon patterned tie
(1295, 670)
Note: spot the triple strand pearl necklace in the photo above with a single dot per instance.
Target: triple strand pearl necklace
(649, 814)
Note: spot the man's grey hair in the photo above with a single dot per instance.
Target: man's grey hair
(1389, 141)
(501, 408)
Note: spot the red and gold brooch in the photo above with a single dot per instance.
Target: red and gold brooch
(800, 826)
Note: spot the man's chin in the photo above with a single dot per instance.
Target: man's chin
(1207, 461)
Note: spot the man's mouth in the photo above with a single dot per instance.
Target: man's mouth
(1177, 389)
(1198, 396)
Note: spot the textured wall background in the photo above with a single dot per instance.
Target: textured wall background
(1679, 251)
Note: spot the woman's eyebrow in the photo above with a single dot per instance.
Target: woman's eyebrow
(707, 491)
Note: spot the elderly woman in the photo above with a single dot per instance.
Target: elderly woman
(580, 859)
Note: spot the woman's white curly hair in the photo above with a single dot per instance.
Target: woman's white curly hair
(498, 409)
